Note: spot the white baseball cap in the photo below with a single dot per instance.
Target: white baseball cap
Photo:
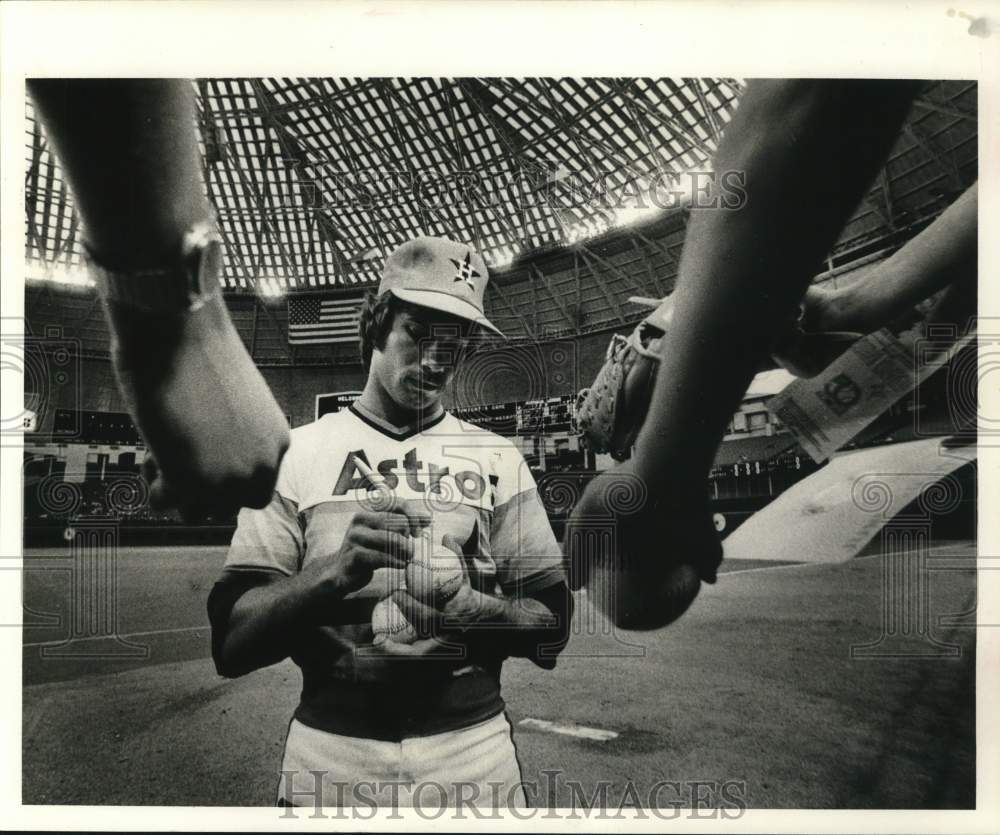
(440, 274)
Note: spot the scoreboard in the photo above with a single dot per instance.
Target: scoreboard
(500, 418)
(530, 417)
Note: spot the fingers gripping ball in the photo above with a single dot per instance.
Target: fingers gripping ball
(390, 624)
(435, 574)
(646, 567)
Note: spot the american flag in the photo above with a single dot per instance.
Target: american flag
(313, 320)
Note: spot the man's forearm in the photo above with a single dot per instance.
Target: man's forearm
(520, 626)
(130, 151)
(262, 625)
(266, 620)
(808, 149)
(942, 254)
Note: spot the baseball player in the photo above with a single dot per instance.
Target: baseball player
(130, 153)
(807, 150)
(418, 723)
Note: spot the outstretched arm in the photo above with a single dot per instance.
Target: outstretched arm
(808, 149)
(130, 153)
(941, 255)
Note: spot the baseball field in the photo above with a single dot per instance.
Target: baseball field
(786, 686)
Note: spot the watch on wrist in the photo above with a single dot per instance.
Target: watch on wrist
(185, 285)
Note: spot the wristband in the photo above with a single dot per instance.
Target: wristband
(185, 285)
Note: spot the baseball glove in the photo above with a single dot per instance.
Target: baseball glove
(610, 413)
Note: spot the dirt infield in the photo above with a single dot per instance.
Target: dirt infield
(755, 689)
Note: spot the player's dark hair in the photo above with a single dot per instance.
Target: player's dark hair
(374, 324)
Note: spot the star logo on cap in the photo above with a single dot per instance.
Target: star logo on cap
(464, 271)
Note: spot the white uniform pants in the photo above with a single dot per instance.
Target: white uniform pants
(472, 767)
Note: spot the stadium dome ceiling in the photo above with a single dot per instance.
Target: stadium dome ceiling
(574, 189)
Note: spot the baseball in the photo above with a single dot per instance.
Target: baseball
(434, 575)
(389, 623)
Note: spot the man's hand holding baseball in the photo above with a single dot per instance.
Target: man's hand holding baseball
(510, 625)
(374, 539)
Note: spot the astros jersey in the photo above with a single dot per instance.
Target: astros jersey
(478, 491)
